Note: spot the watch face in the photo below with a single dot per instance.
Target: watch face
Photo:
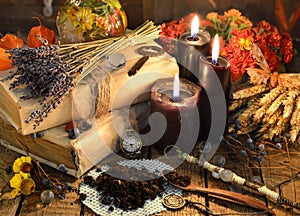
(131, 144)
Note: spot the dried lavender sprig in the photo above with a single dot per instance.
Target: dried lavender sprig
(50, 72)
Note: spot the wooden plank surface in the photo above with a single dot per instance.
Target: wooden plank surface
(273, 173)
(239, 165)
(280, 166)
(7, 207)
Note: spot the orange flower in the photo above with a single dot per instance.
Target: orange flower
(232, 12)
(212, 16)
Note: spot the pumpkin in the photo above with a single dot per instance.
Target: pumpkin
(38, 33)
(5, 62)
(10, 41)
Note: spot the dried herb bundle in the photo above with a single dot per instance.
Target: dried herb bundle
(269, 114)
(177, 179)
(50, 72)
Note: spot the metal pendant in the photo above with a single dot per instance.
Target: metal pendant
(173, 201)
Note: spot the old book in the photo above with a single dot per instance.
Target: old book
(81, 154)
(97, 94)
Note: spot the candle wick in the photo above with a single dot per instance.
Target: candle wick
(214, 62)
(175, 99)
(194, 35)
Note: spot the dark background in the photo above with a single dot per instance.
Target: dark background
(16, 15)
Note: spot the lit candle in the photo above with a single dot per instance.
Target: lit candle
(190, 46)
(215, 50)
(195, 27)
(176, 99)
(220, 65)
(207, 67)
(199, 39)
(176, 88)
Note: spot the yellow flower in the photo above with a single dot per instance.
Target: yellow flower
(82, 19)
(15, 192)
(22, 164)
(22, 184)
(17, 179)
(27, 186)
(245, 44)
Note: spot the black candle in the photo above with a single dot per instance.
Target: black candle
(222, 68)
(209, 67)
(219, 64)
(174, 108)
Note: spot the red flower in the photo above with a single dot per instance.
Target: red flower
(286, 48)
(238, 52)
(264, 25)
(174, 28)
(267, 35)
(206, 23)
(271, 58)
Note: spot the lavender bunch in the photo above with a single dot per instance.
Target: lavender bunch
(51, 72)
(46, 76)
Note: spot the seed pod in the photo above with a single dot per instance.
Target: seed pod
(41, 31)
(5, 62)
(10, 41)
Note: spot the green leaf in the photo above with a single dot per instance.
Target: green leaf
(261, 30)
(62, 17)
(242, 26)
(114, 3)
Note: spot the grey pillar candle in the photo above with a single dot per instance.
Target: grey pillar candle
(189, 49)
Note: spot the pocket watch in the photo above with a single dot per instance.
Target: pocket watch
(131, 144)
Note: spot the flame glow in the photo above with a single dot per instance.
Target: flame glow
(176, 88)
(215, 49)
(195, 26)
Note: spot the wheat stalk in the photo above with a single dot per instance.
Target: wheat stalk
(251, 91)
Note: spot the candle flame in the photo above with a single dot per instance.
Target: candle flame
(215, 49)
(195, 26)
(176, 87)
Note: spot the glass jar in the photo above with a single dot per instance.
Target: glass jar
(88, 20)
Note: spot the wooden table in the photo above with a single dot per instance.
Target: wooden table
(277, 166)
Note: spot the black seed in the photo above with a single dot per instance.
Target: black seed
(74, 133)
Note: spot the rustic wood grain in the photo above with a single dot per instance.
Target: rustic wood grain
(281, 165)
(7, 207)
(239, 165)
(274, 169)
(32, 205)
